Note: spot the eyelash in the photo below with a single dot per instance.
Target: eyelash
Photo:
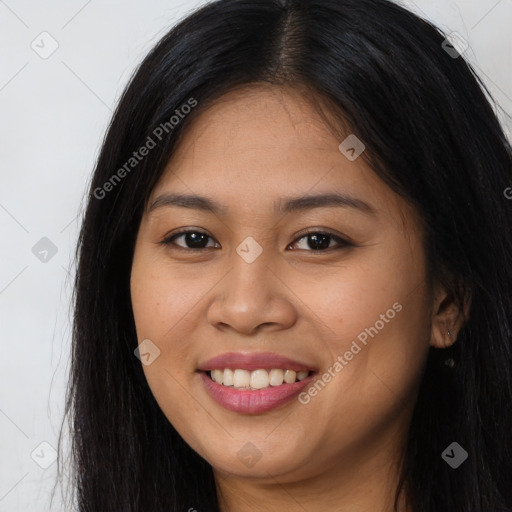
(343, 243)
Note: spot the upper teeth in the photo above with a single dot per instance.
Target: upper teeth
(257, 379)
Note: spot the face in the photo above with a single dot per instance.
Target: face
(334, 293)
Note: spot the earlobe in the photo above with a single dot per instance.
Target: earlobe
(443, 335)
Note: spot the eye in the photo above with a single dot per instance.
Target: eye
(193, 240)
(319, 241)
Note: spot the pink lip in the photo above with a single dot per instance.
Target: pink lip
(253, 402)
(253, 361)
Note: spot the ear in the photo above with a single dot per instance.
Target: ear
(448, 316)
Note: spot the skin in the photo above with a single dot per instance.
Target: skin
(340, 451)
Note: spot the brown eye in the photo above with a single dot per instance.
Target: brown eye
(315, 241)
(192, 239)
(320, 241)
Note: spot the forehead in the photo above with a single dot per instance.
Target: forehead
(257, 116)
(255, 146)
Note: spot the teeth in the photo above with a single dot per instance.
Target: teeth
(276, 377)
(228, 378)
(241, 379)
(289, 376)
(218, 376)
(257, 379)
(302, 375)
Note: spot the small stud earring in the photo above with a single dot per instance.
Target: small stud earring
(450, 362)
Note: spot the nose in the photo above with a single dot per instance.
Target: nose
(252, 297)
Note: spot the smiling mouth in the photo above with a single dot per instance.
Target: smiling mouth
(254, 382)
(256, 379)
(246, 399)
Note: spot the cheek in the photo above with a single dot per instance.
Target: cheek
(159, 311)
(374, 327)
(162, 297)
(167, 302)
(374, 297)
(161, 301)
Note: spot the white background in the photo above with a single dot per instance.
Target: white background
(53, 114)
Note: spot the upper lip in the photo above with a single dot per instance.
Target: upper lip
(253, 361)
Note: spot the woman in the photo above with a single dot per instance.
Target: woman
(294, 281)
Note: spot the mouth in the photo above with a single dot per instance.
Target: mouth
(254, 383)
(256, 379)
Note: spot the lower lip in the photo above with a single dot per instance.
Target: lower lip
(253, 402)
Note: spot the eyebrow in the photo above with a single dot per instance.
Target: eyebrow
(283, 206)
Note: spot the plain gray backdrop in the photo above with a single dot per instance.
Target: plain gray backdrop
(63, 67)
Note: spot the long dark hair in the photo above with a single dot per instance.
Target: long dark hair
(431, 134)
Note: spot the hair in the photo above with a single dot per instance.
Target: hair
(431, 134)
